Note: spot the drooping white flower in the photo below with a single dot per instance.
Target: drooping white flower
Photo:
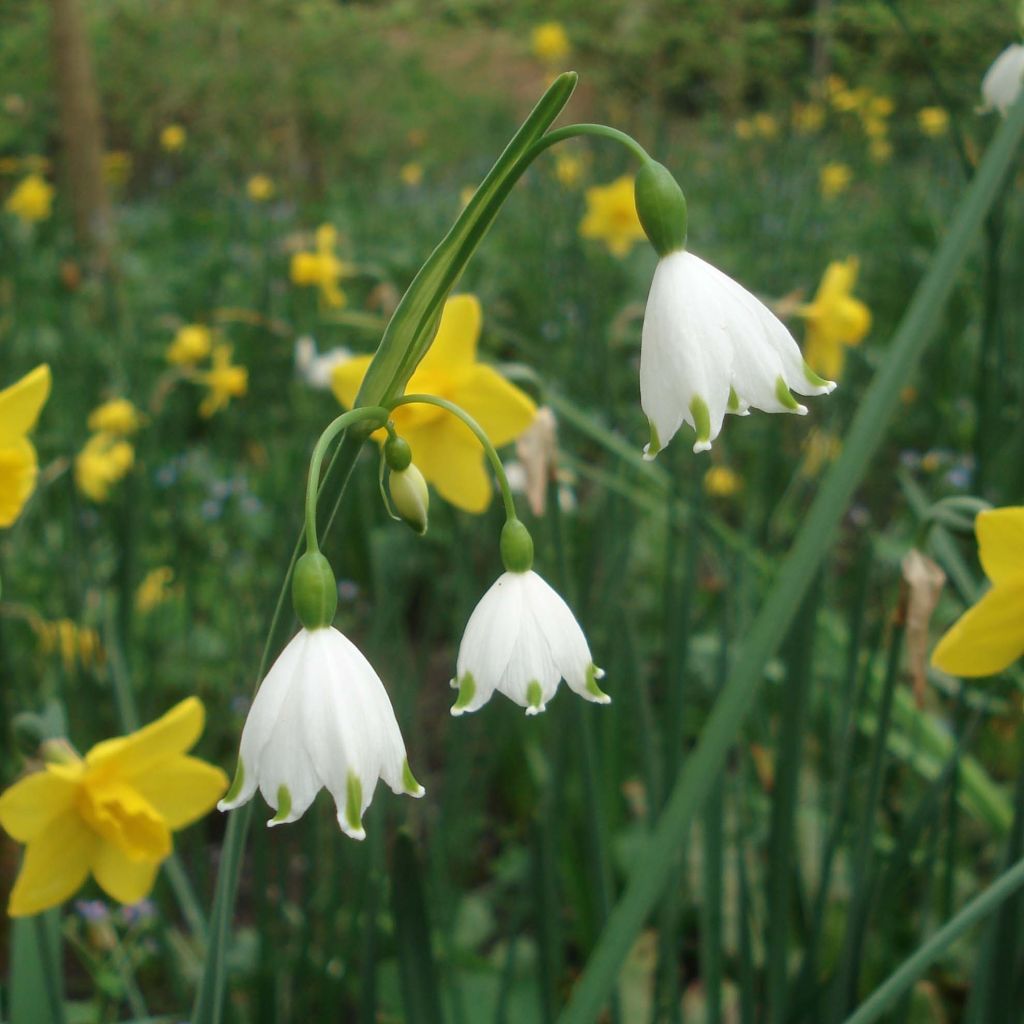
(1004, 79)
(710, 347)
(521, 640)
(316, 368)
(321, 718)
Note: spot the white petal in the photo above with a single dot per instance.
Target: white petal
(1003, 81)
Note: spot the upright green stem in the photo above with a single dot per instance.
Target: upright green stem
(485, 443)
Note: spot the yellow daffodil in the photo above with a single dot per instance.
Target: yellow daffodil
(110, 813)
(933, 121)
(989, 636)
(835, 319)
(568, 170)
(259, 188)
(225, 381)
(880, 106)
(445, 451)
(808, 118)
(173, 138)
(117, 167)
(191, 345)
(765, 125)
(550, 42)
(722, 482)
(154, 589)
(876, 128)
(744, 128)
(20, 405)
(611, 216)
(880, 151)
(321, 268)
(411, 174)
(77, 645)
(31, 200)
(834, 179)
(117, 416)
(104, 461)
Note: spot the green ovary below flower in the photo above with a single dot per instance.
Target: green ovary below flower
(447, 453)
(20, 405)
(835, 319)
(989, 636)
(110, 813)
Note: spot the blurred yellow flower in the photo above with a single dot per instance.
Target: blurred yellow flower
(808, 118)
(110, 813)
(744, 128)
(765, 125)
(876, 128)
(31, 199)
(225, 381)
(191, 345)
(20, 405)
(445, 451)
(933, 121)
(104, 461)
(880, 151)
(722, 482)
(117, 416)
(154, 589)
(77, 645)
(989, 636)
(835, 84)
(411, 174)
(879, 106)
(835, 319)
(173, 138)
(848, 100)
(834, 179)
(259, 188)
(611, 216)
(321, 268)
(568, 170)
(117, 167)
(550, 42)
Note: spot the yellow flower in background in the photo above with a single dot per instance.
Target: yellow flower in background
(835, 319)
(568, 170)
(104, 461)
(443, 448)
(77, 645)
(765, 125)
(411, 174)
(933, 121)
(466, 193)
(191, 345)
(31, 199)
(989, 636)
(20, 405)
(808, 118)
(259, 188)
(321, 268)
(225, 381)
(550, 42)
(744, 129)
(834, 179)
(722, 482)
(110, 813)
(876, 128)
(880, 106)
(117, 416)
(880, 151)
(154, 589)
(173, 138)
(117, 167)
(611, 216)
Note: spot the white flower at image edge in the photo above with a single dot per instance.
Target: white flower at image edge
(314, 367)
(321, 718)
(710, 347)
(522, 640)
(1003, 81)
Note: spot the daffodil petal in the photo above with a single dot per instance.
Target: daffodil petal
(33, 802)
(988, 637)
(454, 344)
(121, 878)
(183, 790)
(496, 404)
(18, 472)
(347, 377)
(450, 458)
(1000, 533)
(55, 865)
(169, 736)
(21, 403)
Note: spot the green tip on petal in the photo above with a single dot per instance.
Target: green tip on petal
(354, 807)
(412, 787)
(597, 694)
(284, 806)
(818, 382)
(467, 691)
(734, 401)
(236, 784)
(534, 697)
(654, 445)
(701, 423)
(786, 399)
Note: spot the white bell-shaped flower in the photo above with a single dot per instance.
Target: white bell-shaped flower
(521, 640)
(317, 368)
(710, 347)
(321, 718)
(1004, 79)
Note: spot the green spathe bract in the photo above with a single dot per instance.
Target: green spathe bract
(661, 207)
(314, 591)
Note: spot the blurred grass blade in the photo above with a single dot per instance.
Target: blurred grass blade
(36, 991)
(416, 965)
(653, 867)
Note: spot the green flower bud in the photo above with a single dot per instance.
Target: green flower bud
(661, 206)
(410, 497)
(314, 591)
(516, 546)
(397, 453)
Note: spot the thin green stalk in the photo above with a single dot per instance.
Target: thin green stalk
(654, 866)
(49, 962)
(925, 955)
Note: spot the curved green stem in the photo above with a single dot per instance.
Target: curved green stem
(572, 131)
(492, 455)
(335, 427)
